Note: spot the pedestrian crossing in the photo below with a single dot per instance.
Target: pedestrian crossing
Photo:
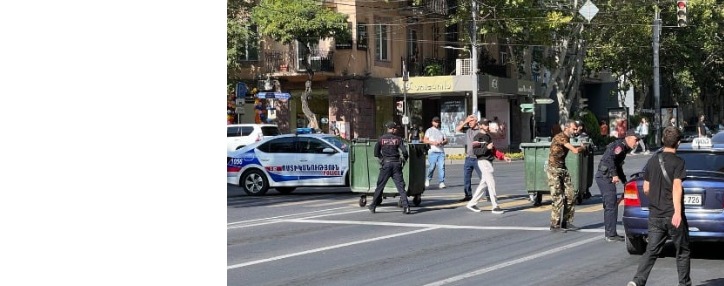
(510, 203)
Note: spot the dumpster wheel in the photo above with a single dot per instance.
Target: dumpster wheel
(416, 201)
(363, 201)
(537, 198)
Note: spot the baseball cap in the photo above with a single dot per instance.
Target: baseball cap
(484, 121)
(631, 132)
(436, 119)
(390, 124)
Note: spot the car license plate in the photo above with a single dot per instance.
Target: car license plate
(692, 200)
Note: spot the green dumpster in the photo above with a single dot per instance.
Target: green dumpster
(536, 163)
(364, 169)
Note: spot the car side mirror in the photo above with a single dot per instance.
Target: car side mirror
(328, 151)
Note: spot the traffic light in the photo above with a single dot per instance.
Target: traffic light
(681, 13)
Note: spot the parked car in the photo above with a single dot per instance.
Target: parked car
(240, 135)
(703, 196)
(286, 162)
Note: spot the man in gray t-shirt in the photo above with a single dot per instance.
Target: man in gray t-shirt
(470, 127)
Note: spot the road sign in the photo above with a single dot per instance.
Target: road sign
(527, 107)
(239, 110)
(543, 100)
(588, 10)
(273, 95)
(241, 90)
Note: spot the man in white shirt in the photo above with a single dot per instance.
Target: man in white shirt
(436, 155)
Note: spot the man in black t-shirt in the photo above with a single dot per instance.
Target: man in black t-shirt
(666, 210)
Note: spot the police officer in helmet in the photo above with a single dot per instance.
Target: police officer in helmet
(610, 173)
(388, 149)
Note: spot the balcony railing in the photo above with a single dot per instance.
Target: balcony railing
(289, 62)
(426, 7)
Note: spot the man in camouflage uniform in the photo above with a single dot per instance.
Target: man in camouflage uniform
(559, 180)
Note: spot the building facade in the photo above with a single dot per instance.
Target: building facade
(359, 84)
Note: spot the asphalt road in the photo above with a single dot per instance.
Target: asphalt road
(320, 236)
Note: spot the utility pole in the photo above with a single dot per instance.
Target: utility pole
(474, 57)
(657, 97)
(405, 108)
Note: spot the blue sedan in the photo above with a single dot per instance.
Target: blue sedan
(703, 196)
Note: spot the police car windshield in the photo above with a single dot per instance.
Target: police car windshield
(339, 142)
(703, 161)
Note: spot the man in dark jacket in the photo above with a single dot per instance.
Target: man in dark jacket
(387, 150)
(610, 173)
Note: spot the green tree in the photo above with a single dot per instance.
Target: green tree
(237, 34)
(305, 21)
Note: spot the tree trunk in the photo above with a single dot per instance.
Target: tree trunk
(311, 117)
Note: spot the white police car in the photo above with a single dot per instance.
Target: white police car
(289, 161)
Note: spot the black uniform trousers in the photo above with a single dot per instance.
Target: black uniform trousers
(391, 168)
(610, 208)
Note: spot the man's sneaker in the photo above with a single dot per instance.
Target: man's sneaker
(372, 208)
(441, 186)
(614, 238)
(646, 152)
(557, 229)
(427, 182)
(465, 199)
(473, 208)
(497, 210)
(406, 210)
(571, 227)
(631, 283)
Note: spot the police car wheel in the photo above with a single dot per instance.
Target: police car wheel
(285, 190)
(254, 183)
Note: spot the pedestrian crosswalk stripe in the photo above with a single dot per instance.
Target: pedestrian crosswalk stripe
(589, 209)
(302, 202)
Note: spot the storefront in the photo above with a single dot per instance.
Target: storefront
(449, 98)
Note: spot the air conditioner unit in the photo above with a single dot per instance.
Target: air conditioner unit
(463, 67)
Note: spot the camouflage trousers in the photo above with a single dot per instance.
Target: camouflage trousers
(563, 195)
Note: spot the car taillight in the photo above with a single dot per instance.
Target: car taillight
(631, 195)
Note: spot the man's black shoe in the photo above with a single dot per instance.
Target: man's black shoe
(557, 229)
(614, 238)
(372, 208)
(406, 210)
(465, 199)
(571, 227)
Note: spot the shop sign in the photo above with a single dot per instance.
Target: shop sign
(429, 84)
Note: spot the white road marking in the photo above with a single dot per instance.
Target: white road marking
(228, 227)
(282, 216)
(425, 225)
(324, 248)
(511, 262)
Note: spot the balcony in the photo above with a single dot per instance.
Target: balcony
(428, 8)
(290, 63)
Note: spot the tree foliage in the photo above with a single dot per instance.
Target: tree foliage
(305, 21)
(237, 33)
(618, 39)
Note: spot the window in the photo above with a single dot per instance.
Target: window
(246, 130)
(279, 145)
(382, 42)
(249, 50)
(233, 131)
(312, 145)
(314, 59)
(270, 131)
(362, 36)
